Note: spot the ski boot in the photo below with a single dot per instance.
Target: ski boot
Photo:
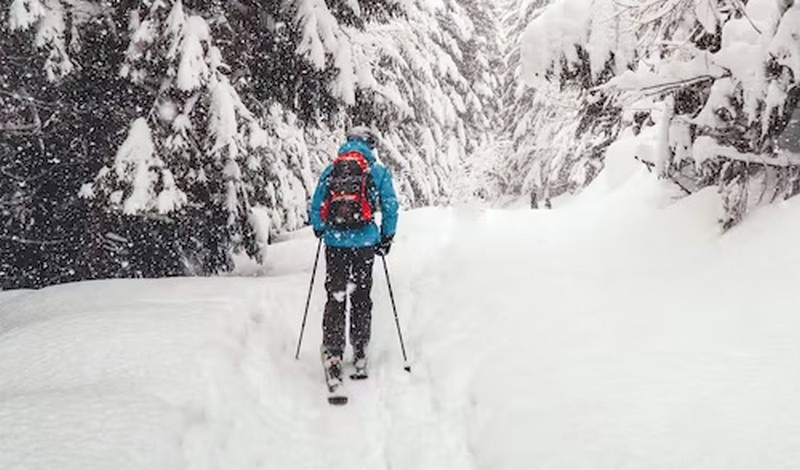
(332, 364)
(359, 363)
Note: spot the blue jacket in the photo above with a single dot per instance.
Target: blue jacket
(381, 191)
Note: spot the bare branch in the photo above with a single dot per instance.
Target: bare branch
(662, 87)
(740, 7)
(27, 241)
(28, 98)
(19, 129)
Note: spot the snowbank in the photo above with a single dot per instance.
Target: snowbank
(620, 331)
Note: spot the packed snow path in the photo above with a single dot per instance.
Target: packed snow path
(622, 333)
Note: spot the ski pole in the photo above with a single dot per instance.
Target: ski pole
(308, 300)
(406, 365)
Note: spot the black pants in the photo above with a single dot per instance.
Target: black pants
(349, 271)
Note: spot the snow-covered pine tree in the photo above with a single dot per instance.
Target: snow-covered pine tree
(55, 24)
(678, 64)
(402, 67)
(481, 61)
(558, 124)
(180, 163)
(212, 136)
(519, 169)
(728, 86)
(50, 135)
(293, 103)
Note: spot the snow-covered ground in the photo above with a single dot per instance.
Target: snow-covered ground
(621, 330)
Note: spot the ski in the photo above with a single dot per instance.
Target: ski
(359, 374)
(333, 380)
(336, 395)
(336, 392)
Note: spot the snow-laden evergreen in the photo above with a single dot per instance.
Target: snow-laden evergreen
(220, 116)
(733, 93)
(163, 137)
(719, 78)
(517, 107)
(422, 78)
(553, 134)
(49, 19)
(191, 142)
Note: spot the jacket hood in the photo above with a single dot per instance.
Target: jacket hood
(357, 145)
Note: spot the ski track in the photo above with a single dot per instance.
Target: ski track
(272, 408)
(394, 420)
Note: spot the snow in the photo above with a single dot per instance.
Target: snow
(260, 222)
(50, 35)
(621, 330)
(22, 14)
(174, 26)
(135, 163)
(554, 34)
(717, 100)
(602, 36)
(193, 70)
(222, 122)
(86, 191)
(743, 46)
(706, 147)
(707, 15)
(170, 198)
(785, 45)
(319, 31)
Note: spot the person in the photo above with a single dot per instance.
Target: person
(350, 248)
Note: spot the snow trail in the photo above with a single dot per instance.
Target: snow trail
(624, 332)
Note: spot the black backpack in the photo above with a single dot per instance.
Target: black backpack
(347, 204)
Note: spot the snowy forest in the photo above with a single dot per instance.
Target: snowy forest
(148, 138)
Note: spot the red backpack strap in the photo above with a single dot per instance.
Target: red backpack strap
(356, 156)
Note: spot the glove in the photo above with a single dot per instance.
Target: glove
(382, 248)
(319, 233)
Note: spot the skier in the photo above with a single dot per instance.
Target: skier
(349, 191)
